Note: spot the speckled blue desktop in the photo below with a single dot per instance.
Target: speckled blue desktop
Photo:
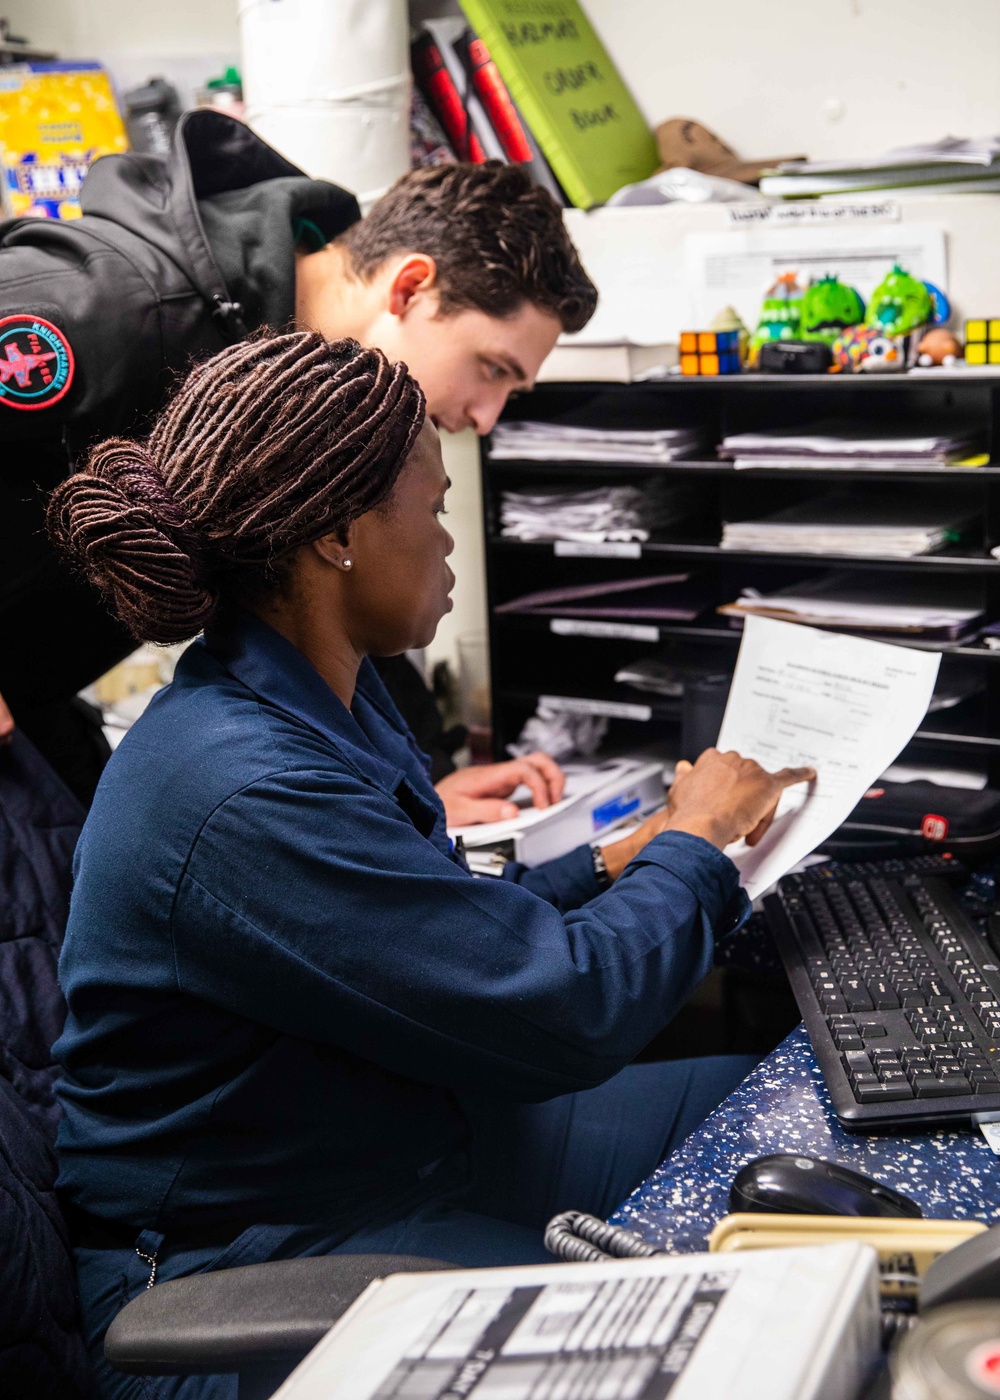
(783, 1106)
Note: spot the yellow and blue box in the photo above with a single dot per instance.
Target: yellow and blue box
(982, 341)
(55, 120)
(710, 352)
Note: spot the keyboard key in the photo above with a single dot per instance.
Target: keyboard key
(855, 994)
(925, 1086)
(848, 1040)
(943, 1089)
(871, 1028)
(857, 1062)
(882, 1093)
(983, 1081)
(882, 995)
(955, 1083)
(895, 1077)
(958, 1035)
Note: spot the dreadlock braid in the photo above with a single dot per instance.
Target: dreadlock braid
(268, 445)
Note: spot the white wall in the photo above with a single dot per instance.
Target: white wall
(188, 41)
(772, 77)
(789, 77)
(464, 522)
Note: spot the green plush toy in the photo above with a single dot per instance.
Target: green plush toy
(828, 308)
(780, 314)
(899, 304)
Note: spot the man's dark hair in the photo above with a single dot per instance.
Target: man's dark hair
(498, 241)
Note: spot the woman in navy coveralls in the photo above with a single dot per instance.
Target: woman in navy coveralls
(297, 1024)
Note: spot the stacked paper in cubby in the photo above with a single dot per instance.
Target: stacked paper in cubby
(868, 526)
(559, 442)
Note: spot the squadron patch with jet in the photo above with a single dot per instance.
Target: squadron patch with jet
(36, 362)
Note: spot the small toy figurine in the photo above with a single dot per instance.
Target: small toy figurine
(779, 313)
(939, 347)
(828, 308)
(710, 352)
(899, 304)
(982, 342)
(870, 350)
(940, 305)
(884, 354)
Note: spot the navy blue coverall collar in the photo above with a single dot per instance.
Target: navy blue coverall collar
(279, 674)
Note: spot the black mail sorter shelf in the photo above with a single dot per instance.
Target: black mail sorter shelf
(533, 656)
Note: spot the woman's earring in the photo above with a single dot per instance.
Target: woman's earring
(348, 564)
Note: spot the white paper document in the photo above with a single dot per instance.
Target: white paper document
(842, 705)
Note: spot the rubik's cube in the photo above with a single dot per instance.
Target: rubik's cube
(710, 352)
(982, 342)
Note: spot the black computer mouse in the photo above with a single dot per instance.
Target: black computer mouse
(786, 1185)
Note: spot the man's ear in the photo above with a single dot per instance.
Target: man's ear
(415, 275)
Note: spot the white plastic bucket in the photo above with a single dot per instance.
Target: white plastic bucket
(327, 83)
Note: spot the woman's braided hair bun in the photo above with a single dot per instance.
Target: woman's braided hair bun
(268, 445)
(118, 523)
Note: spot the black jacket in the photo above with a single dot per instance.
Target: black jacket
(171, 261)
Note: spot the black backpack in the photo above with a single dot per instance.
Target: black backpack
(900, 819)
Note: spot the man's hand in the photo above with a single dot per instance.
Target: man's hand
(722, 798)
(6, 723)
(475, 795)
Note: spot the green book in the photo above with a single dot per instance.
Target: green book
(570, 93)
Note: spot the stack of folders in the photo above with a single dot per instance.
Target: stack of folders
(557, 442)
(949, 166)
(829, 444)
(610, 513)
(662, 598)
(860, 526)
(939, 610)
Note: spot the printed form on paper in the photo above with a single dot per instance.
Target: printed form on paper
(842, 705)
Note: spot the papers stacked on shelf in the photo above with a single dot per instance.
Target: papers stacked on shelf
(949, 166)
(656, 676)
(890, 526)
(935, 610)
(607, 513)
(829, 444)
(558, 442)
(662, 598)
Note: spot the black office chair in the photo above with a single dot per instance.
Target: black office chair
(257, 1321)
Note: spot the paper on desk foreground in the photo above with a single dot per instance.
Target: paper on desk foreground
(842, 705)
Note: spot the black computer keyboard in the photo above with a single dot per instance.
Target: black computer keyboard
(899, 991)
